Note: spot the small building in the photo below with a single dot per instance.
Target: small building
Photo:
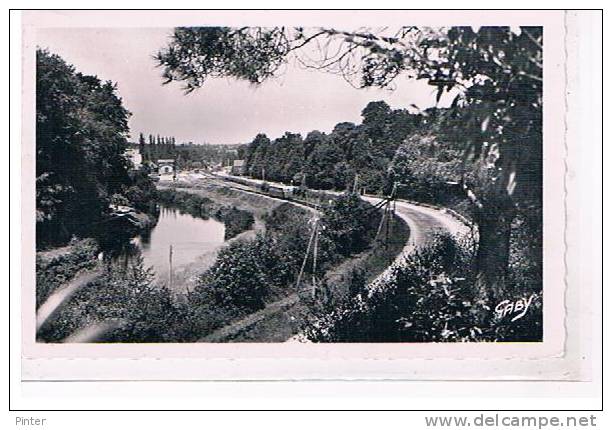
(238, 167)
(134, 156)
(165, 166)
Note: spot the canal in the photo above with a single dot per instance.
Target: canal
(179, 247)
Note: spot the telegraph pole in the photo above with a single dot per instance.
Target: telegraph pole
(170, 261)
(389, 218)
(310, 242)
(315, 252)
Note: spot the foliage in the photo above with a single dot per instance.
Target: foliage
(186, 155)
(427, 169)
(330, 161)
(430, 298)
(240, 277)
(81, 137)
(196, 53)
(124, 294)
(250, 273)
(495, 74)
(191, 154)
(154, 148)
(235, 220)
(54, 270)
(350, 224)
(140, 192)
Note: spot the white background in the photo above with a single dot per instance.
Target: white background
(306, 395)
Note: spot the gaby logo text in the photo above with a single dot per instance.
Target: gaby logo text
(517, 308)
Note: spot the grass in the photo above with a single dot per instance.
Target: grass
(371, 262)
(57, 267)
(280, 326)
(152, 314)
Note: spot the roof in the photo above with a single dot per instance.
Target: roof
(166, 160)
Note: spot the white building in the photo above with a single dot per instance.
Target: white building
(134, 156)
(165, 166)
(238, 167)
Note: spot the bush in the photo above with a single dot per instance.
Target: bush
(350, 224)
(141, 192)
(241, 276)
(250, 273)
(428, 299)
(146, 312)
(54, 271)
(235, 220)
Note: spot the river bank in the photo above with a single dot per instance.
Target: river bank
(283, 317)
(249, 290)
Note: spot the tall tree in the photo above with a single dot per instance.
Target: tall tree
(496, 73)
(142, 146)
(81, 137)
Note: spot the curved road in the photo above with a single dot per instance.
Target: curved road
(424, 223)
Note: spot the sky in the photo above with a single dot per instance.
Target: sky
(224, 110)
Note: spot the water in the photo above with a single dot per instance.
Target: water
(194, 241)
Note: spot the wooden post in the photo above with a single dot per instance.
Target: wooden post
(315, 252)
(170, 261)
(312, 235)
(389, 216)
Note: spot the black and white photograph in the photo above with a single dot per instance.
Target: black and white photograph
(245, 211)
(320, 184)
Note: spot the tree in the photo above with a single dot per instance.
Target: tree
(347, 224)
(496, 73)
(81, 137)
(424, 167)
(240, 276)
(257, 158)
(322, 169)
(141, 147)
(500, 72)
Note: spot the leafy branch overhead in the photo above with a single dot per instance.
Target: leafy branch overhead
(493, 74)
(495, 71)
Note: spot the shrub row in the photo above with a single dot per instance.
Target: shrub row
(236, 220)
(54, 270)
(430, 298)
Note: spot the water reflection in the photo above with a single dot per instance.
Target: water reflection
(178, 239)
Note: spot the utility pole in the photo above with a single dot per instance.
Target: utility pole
(384, 206)
(356, 183)
(314, 260)
(389, 218)
(308, 248)
(391, 214)
(170, 261)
